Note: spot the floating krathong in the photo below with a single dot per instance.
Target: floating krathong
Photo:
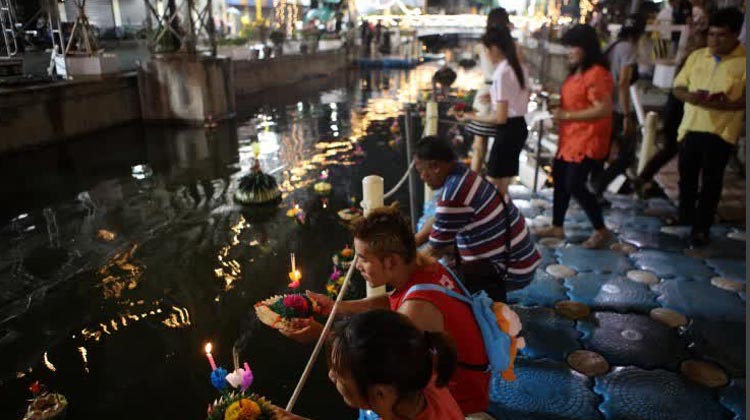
(286, 311)
(334, 283)
(297, 213)
(322, 187)
(344, 258)
(349, 214)
(257, 188)
(45, 405)
(240, 406)
(236, 404)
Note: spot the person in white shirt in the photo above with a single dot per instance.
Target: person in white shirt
(509, 94)
(497, 18)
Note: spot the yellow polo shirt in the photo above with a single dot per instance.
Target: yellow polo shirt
(703, 72)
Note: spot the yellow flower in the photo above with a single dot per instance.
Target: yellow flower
(244, 409)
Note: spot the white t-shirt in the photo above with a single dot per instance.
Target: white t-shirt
(505, 87)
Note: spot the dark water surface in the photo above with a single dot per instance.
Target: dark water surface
(119, 325)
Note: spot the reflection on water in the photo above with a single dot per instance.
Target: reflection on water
(121, 254)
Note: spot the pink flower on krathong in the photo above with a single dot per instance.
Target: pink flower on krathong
(336, 273)
(296, 302)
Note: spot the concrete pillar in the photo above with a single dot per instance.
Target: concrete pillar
(187, 88)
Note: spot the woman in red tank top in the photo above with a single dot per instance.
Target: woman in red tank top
(387, 255)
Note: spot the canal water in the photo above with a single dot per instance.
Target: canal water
(123, 253)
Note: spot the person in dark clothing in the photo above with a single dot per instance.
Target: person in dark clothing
(622, 58)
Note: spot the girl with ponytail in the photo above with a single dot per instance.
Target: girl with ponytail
(381, 363)
(509, 95)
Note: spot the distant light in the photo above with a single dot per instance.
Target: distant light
(141, 172)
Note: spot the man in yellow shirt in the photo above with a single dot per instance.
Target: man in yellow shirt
(712, 85)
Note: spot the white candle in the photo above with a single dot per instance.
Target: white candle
(431, 115)
(372, 192)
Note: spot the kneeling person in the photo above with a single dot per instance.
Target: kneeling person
(387, 255)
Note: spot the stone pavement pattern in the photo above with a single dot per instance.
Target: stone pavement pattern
(646, 356)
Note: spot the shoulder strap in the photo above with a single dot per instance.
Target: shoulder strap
(455, 279)
(436, 288)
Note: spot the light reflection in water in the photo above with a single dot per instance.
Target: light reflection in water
(49, 364)
(84, 356)
(230, 270)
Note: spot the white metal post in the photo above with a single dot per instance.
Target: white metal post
(430, 129)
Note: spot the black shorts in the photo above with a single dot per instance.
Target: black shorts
(509, 140)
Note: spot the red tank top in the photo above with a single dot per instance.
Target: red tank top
(469, 387)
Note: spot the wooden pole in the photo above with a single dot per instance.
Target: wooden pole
(322, 339)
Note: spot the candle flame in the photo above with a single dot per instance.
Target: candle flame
(208, 347)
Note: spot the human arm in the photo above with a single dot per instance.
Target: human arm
(348, 307)
(281, 414)
(599, 86)
(450, 217)
(424, 234)
(623, 91)
(306, 331)
(624, 56)
(436, 253)
(718, 102)
(425, 315)
(598, 109)
(498, 117)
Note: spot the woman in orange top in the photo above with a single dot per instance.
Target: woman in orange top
(380, 362)
(585, 126)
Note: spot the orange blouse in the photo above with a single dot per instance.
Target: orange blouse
(585, 139)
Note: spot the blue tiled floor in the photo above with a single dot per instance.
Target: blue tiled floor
(634, 393)
(644, 381)
(610, 293)
(700, 299)
(544, 390)
(596, 260)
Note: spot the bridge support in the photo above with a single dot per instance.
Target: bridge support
(187, 88)
(186, 81)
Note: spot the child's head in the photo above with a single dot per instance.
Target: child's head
(379, 360)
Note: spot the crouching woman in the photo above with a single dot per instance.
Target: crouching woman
(381, 363)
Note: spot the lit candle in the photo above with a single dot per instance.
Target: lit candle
(210, 357)
(295, 276)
